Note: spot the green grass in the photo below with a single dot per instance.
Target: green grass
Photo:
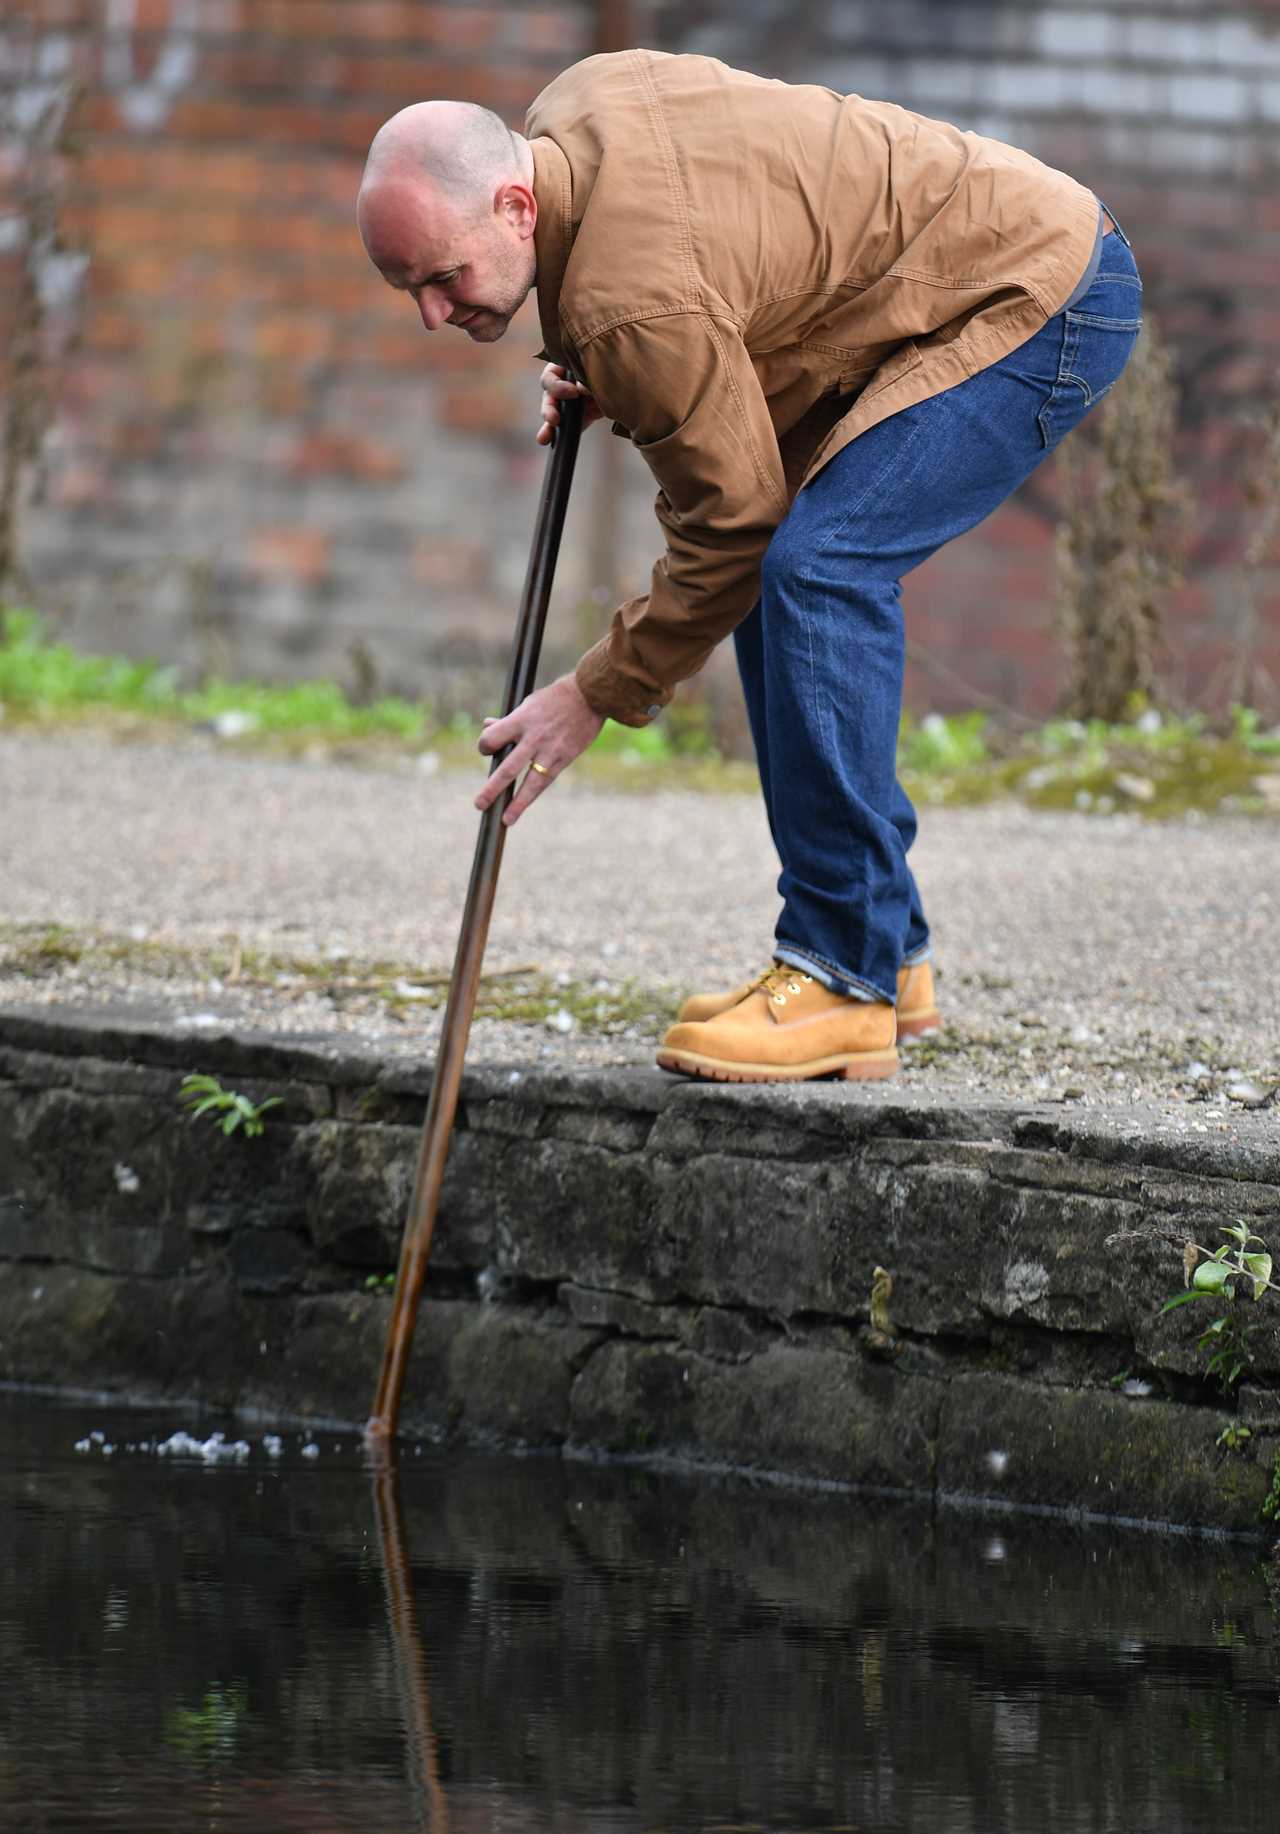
(49, 679)
(1155, 764)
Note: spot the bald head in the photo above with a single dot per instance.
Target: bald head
(463, 151)
(447, 212)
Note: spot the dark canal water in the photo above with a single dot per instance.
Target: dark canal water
(240, 1645)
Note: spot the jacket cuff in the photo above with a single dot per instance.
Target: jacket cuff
(616, 692)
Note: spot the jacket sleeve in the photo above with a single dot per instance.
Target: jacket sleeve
(682, 385)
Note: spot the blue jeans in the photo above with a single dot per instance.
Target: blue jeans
(821, 655)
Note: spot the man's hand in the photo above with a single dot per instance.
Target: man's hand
(548, 729)
(556, 388)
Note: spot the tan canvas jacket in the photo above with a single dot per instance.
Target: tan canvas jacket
(747, 275)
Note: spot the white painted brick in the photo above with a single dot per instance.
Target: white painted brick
(1078, 36)
(950, 80)
(1031, 88)
(1122, 144)
(1119, 91)
(1169, 41)
(1209, 98)
(848, 24)
(1241, 43)
(1267, 99)
(54, 56)
(1199, 150)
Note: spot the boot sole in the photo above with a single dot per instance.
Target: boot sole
(912, 1025)
(852, 1066)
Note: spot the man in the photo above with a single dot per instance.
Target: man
(840, 334)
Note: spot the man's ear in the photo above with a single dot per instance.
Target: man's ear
(516, 203)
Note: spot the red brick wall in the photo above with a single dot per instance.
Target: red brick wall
(255, 455)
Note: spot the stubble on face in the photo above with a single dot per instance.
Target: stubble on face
(507, 278)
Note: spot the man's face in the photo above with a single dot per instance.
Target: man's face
(473, 272)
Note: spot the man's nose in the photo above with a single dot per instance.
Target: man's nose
(434, 308)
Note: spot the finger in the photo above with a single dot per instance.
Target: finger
(550, 421)
(535, 784)
(499, 779)
(494, 734)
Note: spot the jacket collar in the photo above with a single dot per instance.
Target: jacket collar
(552, 239)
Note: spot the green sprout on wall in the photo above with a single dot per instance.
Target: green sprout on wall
(207, 1096)
(1271, 1507)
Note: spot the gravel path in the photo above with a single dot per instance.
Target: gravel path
(1089, 958)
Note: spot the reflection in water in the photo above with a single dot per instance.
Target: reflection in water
(406, 1641)
(187, 1647)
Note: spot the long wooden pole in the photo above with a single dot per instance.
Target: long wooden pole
(436, 1129)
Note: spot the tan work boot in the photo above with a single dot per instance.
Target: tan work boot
(917, 1007)
(787, 1029)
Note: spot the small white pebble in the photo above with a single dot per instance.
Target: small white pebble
(1135, 1386)
(234, 723)
(271, 1445)
(126, 1178)
(994, 1551)
(997, 1463)
(82, 1445)
(98, 1438)
(560, 1021)
(311, 1450)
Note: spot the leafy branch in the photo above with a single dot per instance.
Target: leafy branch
(1211, 1271)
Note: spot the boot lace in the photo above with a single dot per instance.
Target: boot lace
(781, 980)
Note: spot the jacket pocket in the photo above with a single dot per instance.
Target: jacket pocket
(904, 359)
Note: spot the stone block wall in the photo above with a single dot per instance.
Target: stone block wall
(251, 456)
(631, 1265)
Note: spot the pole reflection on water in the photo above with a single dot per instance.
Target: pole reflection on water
(193, 1642)
(406, 1640)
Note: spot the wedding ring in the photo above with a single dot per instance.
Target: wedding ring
(540, 768)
